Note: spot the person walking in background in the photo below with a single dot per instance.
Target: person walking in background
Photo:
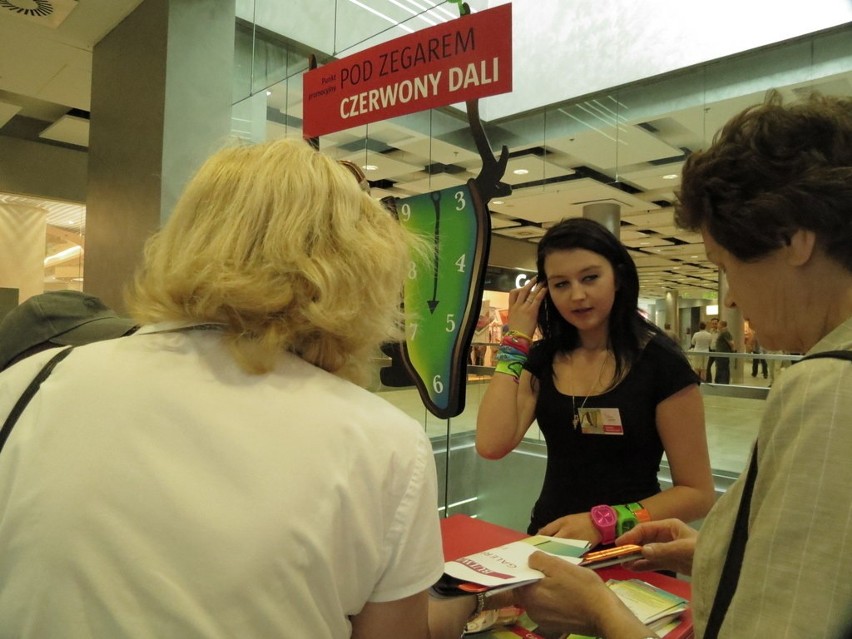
(609, 391)
(713, 329)
(772, 198)
(219, 473)
(724, 344)
(701, 342)
(671, 333)
(757, 350)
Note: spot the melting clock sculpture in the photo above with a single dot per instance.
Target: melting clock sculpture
(443, 291)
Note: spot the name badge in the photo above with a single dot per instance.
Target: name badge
(600, 421)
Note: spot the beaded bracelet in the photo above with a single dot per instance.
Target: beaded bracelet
(519, 335)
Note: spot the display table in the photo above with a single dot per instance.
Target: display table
(463, 535)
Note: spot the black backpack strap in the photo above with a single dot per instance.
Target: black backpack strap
(734, 559)
(847, 355)
(27, 395)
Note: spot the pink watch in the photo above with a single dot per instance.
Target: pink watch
(605, 520)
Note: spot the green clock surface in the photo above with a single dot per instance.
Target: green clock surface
(443, 292)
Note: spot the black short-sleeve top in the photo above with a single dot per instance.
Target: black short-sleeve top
(588, 469)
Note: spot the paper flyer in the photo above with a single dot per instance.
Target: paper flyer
(507, 564)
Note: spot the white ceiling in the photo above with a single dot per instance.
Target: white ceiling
(592, 151)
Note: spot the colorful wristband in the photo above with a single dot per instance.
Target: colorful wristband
(519, 335)
(626, 519)
(639, 511)
(515, 346)
(513, 369)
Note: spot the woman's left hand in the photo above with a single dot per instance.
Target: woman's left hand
(577, 526)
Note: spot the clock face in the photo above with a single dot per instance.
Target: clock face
(443, 291)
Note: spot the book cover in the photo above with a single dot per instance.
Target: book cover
(504, 566)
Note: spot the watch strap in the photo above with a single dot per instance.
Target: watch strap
(639, 510)
(626, 519)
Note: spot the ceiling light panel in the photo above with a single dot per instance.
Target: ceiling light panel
(521, 232)
(499, 222)
(435, 150)
(435, 183)
(536, 169)
(7, 112)
(647, 241)
(650, 218)
(69, 129)
(387, 168)
(610, 147)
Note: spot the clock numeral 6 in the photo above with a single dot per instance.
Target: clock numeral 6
(437, 384)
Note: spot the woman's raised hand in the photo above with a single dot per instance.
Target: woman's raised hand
(524, 303)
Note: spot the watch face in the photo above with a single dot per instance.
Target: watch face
(604, 515)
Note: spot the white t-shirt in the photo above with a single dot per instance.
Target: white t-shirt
(153, 489)
(701, 340)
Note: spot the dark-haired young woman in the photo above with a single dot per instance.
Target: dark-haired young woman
(609, 391)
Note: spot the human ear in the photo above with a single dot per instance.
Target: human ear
(800, 247)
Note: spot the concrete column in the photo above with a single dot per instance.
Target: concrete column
(735, 325)
(607, 214)
(672, 314)
(161, 103)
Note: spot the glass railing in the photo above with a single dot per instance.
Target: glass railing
(503, 491)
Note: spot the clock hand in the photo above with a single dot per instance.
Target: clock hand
(436, 202)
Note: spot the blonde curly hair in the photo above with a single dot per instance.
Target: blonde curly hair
(279, 243)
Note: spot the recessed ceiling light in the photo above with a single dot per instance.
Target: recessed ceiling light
(670, 176)
(269, 93)
(520, 171)
(370, 167)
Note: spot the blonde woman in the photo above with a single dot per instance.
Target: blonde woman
(217, 474)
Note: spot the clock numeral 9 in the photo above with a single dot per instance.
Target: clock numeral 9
(405, 212)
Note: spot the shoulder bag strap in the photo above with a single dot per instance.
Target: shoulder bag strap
(833, 354)
(27, 395)
(734, 560)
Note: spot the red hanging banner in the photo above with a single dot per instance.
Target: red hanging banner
(457, 61)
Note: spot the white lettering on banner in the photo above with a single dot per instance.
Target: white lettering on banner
(462, 78)
(388, 96)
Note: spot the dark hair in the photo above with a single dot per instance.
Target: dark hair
(628, 330)
(772, 170)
